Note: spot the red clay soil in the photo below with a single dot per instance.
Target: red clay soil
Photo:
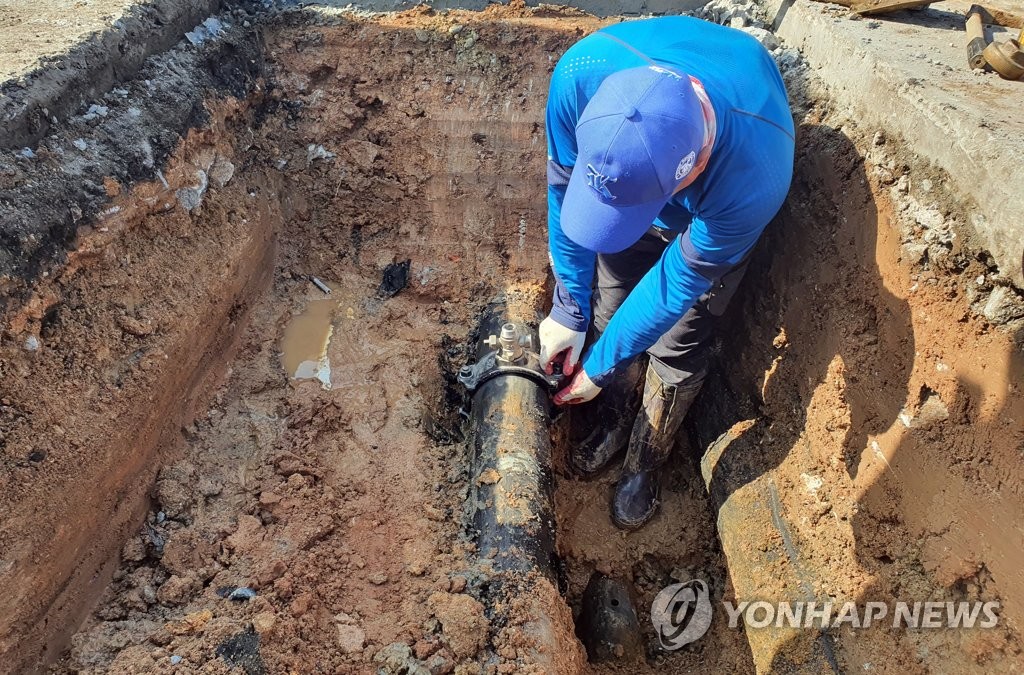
(340, 509)
(889, 412)
(419, 137)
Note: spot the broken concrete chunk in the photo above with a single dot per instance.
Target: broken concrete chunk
(204, 31)
(351, 639)
(191, 197)
(767, 39)
(787, 58)
(315, 151)
(440, 664)
(1003, 306)
(95, 111)
(915, 252)
(397, 658)
(221, 171)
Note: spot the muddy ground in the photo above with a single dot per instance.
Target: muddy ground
(882, 393)
(333, 515)
(414, 138)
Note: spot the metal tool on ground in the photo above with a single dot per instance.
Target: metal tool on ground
(1005, 57)
(975, 27)
(321, 285)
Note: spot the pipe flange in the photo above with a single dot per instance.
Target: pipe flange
(472, 376)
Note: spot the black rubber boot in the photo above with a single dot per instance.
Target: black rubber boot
(600, 428)
(650, 444)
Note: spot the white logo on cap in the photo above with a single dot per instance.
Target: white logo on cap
(686, 165)
(666, 71)
(599, 182)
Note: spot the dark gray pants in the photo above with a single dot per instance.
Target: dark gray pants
(680, 357)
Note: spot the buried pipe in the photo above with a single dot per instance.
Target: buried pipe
(764, 560)
(510, 506)
(511, 497)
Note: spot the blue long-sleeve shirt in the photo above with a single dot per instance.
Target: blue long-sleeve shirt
(719, 216)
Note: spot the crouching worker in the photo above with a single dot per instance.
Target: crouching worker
(670, 147)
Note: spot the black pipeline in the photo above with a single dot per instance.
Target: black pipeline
(510, 505)
(511, 497)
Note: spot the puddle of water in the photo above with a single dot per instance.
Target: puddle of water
(306, 338)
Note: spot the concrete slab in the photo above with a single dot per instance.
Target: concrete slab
(906, 73)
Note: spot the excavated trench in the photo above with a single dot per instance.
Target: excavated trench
(175, 501)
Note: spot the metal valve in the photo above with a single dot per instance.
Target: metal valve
(512, 353)
(509, 343)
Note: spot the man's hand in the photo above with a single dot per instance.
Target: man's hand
(558, 341)
(580, 390)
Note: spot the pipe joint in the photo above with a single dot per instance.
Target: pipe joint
(511, 354)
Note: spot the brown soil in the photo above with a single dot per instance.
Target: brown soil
(887, 411)
(419, 137)
(339, 508)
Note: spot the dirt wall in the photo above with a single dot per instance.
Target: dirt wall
(884, 405)
(884, 429)
(338, 508)
(112, 359)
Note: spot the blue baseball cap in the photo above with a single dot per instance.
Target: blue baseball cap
(637, 139)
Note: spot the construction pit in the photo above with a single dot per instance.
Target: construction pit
(174, 499)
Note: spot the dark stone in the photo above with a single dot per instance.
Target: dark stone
(396, 277)
(242, 650)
